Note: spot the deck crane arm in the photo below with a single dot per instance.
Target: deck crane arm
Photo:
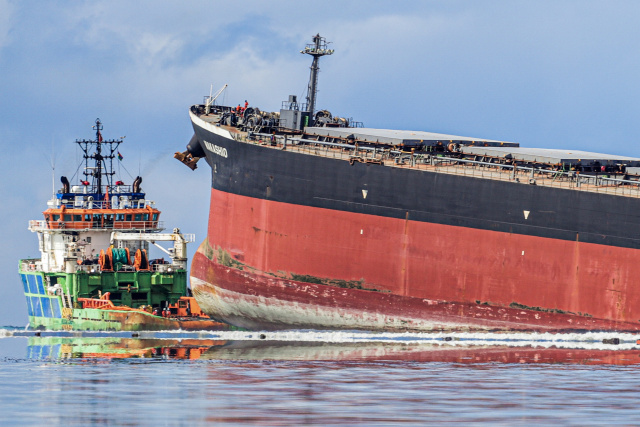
(211, 99)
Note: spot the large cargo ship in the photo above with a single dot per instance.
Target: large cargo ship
(94, 272)
(318, 222)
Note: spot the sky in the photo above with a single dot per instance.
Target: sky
(549, 74)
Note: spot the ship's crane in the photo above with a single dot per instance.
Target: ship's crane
(178, 253)
(211, 99)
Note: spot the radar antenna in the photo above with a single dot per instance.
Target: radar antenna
(316, 49)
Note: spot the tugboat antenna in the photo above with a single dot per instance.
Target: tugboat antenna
(316, 49)
(98, 155)
(100, 167)
(52, 162)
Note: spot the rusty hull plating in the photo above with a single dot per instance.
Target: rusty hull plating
(242, 287)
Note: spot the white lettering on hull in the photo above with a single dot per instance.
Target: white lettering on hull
(216, 149)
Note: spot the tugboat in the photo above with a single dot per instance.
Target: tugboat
(94, 272)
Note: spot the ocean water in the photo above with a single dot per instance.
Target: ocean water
(311, 377)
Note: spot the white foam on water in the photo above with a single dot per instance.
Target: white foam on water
(591, 340)
(585, 340)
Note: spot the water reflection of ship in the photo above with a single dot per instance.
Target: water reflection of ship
(418, 352)
(59, 348)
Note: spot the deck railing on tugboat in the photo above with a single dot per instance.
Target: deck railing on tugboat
(95, 303)
(160, 268)
(36, 265)
(40, 225)
(114, 190)
(30, 265)
(102, 204)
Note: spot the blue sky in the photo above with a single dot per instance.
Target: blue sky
(554, 74)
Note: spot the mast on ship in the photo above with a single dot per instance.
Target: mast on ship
(316, 49)
(103, 162)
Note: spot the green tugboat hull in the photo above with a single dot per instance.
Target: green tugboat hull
(58, 311)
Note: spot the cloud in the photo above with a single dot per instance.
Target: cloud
(7, 11)
(139, 33)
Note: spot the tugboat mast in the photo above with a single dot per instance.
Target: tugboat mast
(316, 49)
(100, 167)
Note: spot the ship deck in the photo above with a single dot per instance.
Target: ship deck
(436, 162)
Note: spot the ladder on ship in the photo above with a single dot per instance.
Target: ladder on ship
(66, 300)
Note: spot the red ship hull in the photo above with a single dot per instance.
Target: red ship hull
(274, 265)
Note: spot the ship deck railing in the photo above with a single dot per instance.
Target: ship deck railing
(36, 265)
(30, 265)
(42, 225)
(442, 163)
(101, 204)
(103, 190)
(156, 268)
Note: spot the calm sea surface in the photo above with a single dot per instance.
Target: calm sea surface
(311, 378)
